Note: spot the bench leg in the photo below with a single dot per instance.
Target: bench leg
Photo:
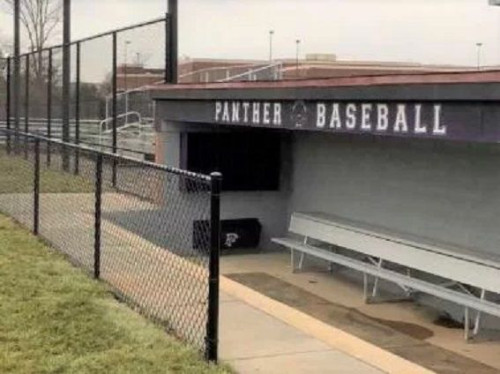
(331, 265)
(375, 284)
(466, 324)
(477, 323)
(365, 288)
(301, 261)
(380, 264)
(292, 260)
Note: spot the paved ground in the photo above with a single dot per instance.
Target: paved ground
(167, 285)
(403, 339)
(255, 342)
(337, 298)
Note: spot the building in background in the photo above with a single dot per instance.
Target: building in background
(320, 65)
(133, 76)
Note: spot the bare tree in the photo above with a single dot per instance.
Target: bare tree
(40, 18)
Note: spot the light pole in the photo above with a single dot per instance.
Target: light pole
(127, 43)
(479, 45)
(125, 83)
(271, 33)
(297, 48)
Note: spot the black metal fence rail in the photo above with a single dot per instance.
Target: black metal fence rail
(108, 79)
(149, 231)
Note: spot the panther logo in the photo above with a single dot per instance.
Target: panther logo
(299, 114)
(231, 238)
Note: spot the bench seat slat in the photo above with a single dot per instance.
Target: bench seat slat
(449, 267)
(416, 284)
(423, 243)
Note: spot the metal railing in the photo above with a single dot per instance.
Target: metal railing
(268, 72)
(92, 134)
(105, 128)
(151, 232)
(245, 72)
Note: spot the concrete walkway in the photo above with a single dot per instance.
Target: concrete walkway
(252, 341)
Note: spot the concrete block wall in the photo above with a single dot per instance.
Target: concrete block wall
(447, 192)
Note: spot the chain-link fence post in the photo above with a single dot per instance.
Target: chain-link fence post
(97, 221)
(77, 109)
(36, 189)
(168, 52)
(172, 45)
(66, 82)
(49, 104)
(114, 99)
(26, 103)
(17, 73)
(214, 257)
(8, 106)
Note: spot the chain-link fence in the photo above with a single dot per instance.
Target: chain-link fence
(110, 107)
(5, 66)
(149, 231)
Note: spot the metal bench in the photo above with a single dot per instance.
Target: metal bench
(381, 250)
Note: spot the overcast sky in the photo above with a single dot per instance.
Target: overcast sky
(429, 31)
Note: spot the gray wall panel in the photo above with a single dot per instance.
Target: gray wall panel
(443, 191)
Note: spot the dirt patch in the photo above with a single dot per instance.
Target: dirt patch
(404, 339)
(410, 329)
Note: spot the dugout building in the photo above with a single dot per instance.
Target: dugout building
(400, 170)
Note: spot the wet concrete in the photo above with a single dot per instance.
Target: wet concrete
(404, 339)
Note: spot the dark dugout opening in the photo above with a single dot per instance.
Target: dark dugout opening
(249, 160)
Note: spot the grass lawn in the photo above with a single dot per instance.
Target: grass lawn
(55, 319)
(17, 175)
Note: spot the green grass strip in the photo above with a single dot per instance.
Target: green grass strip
(17, 176)
(55, 319)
